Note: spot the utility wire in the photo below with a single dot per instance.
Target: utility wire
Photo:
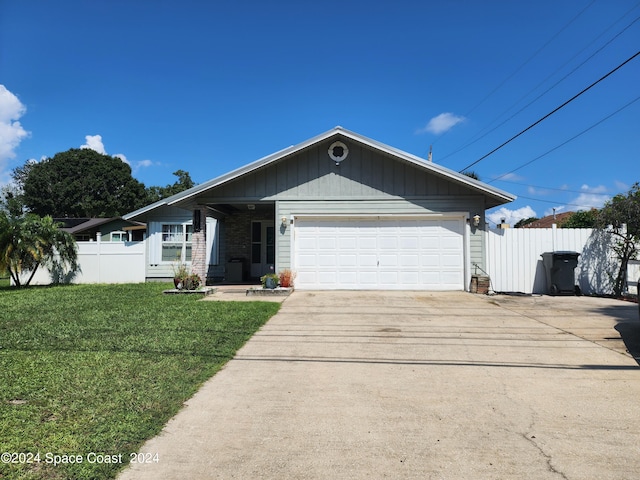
(555, 189)
(555, 203)
(531, 57)
(486, 132)
(526, 62)
(551, 112)
(567, 141)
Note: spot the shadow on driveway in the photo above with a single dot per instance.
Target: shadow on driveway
(628, 326)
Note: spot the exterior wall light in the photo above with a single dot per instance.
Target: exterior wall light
(283, 220)
(476, 220)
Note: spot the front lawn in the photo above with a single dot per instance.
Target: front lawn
(101, 368)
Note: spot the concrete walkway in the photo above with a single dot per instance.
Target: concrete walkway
(417, 385)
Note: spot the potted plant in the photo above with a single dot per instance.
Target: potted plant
(270, 280)
(286, 278)
(192, 282)
(180, 273)
(184, 279)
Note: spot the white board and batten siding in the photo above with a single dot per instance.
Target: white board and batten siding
(155, 266)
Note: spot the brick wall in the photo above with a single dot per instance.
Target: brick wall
(237, 233)
(199, 248)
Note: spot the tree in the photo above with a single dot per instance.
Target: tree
(80, 183)
(620, 216)
(581, 219)
(184, 182)
(11, 200)
(26, 242)
(525, 221)
(471, 174)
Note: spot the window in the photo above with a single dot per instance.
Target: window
(176, 242)
(119, 236)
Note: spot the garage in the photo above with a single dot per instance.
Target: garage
(379, 253)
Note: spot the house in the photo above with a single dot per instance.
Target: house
(549, 220)
(115, 229)
(340, 209)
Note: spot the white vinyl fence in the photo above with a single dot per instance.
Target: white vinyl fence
(514, 263)
(100, 262)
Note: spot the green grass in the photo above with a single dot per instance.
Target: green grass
(101, 368)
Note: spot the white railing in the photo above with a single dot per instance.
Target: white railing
(514, 263)
(100, 262)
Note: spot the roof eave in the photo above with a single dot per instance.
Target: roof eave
(184, 197)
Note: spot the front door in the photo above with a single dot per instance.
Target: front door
(263, 248)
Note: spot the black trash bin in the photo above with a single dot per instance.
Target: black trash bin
(235, 270)
(560, 269)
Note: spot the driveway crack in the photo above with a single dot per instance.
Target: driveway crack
(531, 439)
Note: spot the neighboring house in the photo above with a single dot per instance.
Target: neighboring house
(548, 221)
(114, 229)
(341, 210)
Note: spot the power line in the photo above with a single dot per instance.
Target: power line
(567, 141)
(527, 61)
(554, 203)
(483, 133)
(532, 56)
(556, 189)
(551, 112)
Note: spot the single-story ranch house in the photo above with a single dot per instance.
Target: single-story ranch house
(341, 210)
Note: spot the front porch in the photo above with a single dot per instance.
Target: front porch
(246, 244)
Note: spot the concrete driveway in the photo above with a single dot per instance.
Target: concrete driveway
(418, 385)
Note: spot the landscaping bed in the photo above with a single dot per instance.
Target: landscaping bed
(98, 369)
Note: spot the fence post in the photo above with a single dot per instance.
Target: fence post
(98, 252)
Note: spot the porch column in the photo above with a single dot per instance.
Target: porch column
(199, 243)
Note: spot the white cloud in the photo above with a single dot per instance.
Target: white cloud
(593, 197)
(144, 163)
(442, 123)
(621, 186)
(536, 191)
(587, 201)
(510, 216)
(123, 158)
(598, 189)
(513, 177)
(94, 142)
(11, 131)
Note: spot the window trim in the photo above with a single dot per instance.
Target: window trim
(187, 240)
(121, 233)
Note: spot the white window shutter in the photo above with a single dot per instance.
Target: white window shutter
(212, 241)
(155, 242)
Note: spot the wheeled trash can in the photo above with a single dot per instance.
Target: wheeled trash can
(560, 272)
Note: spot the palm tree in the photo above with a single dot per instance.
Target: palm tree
(26, 242)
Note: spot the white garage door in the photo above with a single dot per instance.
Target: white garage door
(406, 254)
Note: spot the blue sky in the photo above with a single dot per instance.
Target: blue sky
(209, 86)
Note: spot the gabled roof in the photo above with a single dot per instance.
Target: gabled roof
(90, 223)
(183, 197)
